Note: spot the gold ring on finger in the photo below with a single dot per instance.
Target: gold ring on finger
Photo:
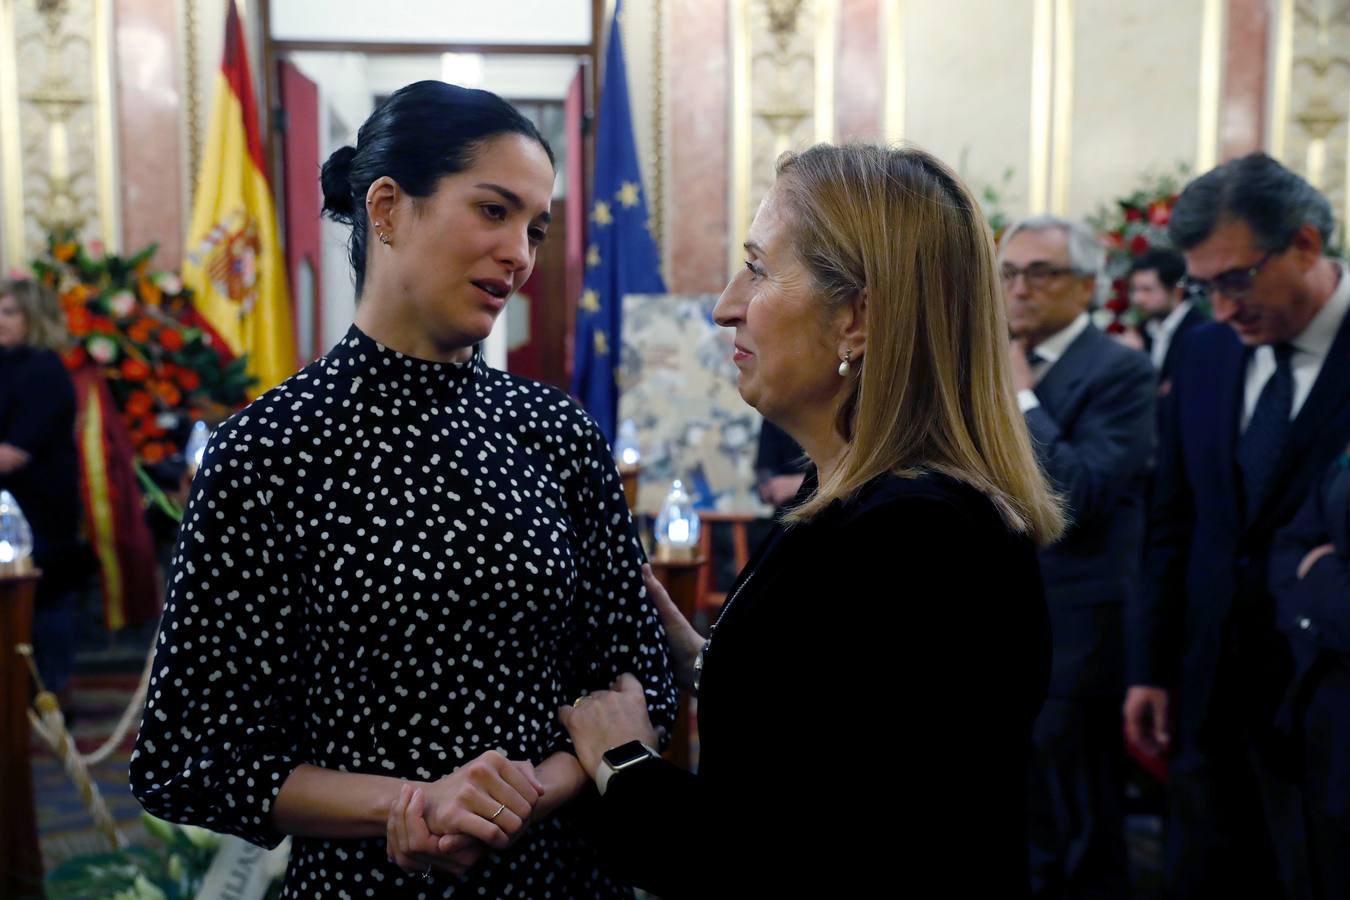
(494, 816)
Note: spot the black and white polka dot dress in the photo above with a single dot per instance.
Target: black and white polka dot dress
(390, 566)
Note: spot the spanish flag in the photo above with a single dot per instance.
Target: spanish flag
(234, 262)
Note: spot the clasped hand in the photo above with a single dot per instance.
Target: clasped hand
(451, 823)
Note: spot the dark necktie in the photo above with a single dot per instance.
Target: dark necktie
(1258, 450)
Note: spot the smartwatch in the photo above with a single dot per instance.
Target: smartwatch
(616, 759)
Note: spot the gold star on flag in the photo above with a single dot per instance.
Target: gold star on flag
(628, 194)
(601, 214)
(590, 301)
(601, 345)
(592, 256)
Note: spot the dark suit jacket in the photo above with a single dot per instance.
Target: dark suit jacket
(1093, 434)
(880, 665)
(1314, 614)
(37, 415)
(1192, 318)
(1204, 618)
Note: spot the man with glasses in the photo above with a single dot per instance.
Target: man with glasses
(1260, 405)
(1089, 405)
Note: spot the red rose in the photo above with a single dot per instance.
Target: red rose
(1115, 327)
(171, 339)
(135, 369)
(74, 357)
(1160, 213)
(139, 403)
(1139, 245)
(188, 380)
(1117, 304)
(1132, 214)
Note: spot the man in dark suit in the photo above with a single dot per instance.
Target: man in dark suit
(1260, 404)
(1156, 290)
(1310, 577)
(1089, 405)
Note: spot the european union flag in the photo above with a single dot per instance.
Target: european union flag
(621, 257)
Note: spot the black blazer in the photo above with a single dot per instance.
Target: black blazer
(37, 414)
(1204, 616)
(875, 669)
(1192, 318)
(1093, 434)
(1314, 614)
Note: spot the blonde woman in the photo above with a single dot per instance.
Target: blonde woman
(37, 461)
(866, 698)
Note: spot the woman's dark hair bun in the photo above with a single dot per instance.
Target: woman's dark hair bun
(336, 178)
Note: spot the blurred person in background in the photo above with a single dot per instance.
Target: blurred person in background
(38, 464)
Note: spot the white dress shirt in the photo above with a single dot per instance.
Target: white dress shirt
(1310, 350)
(1049, 351)
(1163, 332)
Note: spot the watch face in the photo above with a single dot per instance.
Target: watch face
(624, 754)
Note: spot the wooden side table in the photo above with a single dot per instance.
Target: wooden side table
(20, 855)
(682, 581)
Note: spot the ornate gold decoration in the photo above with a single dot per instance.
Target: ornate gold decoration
(1315, 139)
(192, 96)
(782, 94)
(58, 165)
(1211, 83)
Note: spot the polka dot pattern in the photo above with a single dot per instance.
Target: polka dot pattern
(390, 566)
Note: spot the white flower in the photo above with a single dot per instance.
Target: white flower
(103, 349)
(169, 283)
(122, 303)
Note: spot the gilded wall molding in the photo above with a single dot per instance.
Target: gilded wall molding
(783, 61)
(56, 110)
(1315, 106)
(1212, 31)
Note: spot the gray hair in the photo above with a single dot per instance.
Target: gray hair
(1087, 256)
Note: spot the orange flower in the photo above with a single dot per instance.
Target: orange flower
(78, 321)
(152, 429)
(171, 339)
(153, 453)
(65, 251)
(140, 403)
(135, 369)
(150, 291)
(77, 294)
(188, 380)
(103, 324)
(168, 393)
(141, 330)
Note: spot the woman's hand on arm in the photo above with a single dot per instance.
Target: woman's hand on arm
(12, 458)
(685, 642)
(608, 719)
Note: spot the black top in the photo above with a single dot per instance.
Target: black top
(392, 566)
(865, 714)
(37, 415)
(776, 453)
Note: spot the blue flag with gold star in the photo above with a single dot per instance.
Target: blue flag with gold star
(621, 255)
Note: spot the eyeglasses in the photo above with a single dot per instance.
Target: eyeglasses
(1037, 275)
(1234, 283)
